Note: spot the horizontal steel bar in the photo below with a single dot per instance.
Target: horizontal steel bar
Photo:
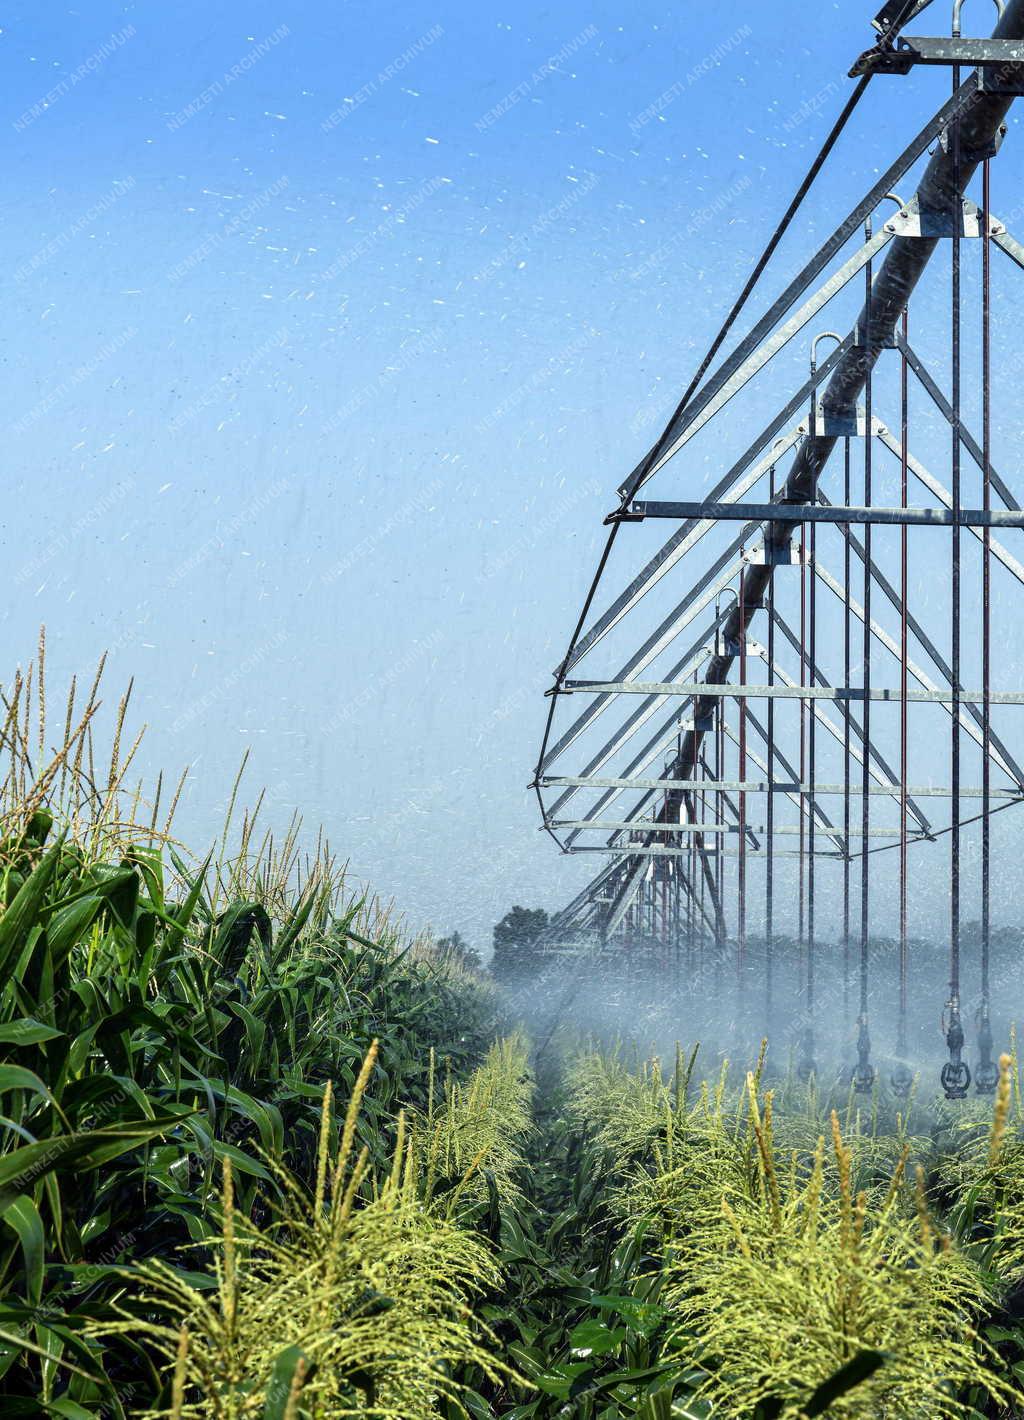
(815, 513)
(910, 50)
(642, 850)
(722, 829)
(647, 826)
(788, 692)
(926, 49)
(739, 480)
(780, 786)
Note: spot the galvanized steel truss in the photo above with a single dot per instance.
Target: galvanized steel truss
(658, 791)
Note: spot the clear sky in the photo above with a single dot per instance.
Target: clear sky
(331, 330)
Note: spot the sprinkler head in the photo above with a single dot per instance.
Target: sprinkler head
(956, 1079)
(956, 1073)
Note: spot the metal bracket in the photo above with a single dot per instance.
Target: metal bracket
(703, 724)
(845, 424)
(971, 154)
(1005, 54)
(775, 556)
(622, 514)
(732, 646)
(910, 221)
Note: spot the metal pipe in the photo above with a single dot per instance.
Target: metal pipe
(847, 647)
(741, 894)
(864, 1073)
(986, 1074)
(769, 871)
(902, 1079)
(956, 1074)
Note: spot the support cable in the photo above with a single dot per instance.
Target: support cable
(941, 832)
(656, 452)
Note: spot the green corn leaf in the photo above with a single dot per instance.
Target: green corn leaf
(120, 887)
(70, 923)
(643, 1317)
(282, 1377)
(299, 919)
(230, 942)
(561, 1381)
(27, 1031)
(16, 1077)
(23, 1216)
(593, 1338)
(183, 914)
(23, 913)
(266, 1117)
(150, 864)
(242, 1161)
(38, 828)
(255, 1030)
(86, 1149)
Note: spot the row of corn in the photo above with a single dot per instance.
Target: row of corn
(803, 1238)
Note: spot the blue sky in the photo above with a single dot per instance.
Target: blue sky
(332, 329)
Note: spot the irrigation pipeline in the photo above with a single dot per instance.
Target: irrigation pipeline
(972, 120)
(974, 130)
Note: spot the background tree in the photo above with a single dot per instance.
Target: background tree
(455, 948)
(515, 939)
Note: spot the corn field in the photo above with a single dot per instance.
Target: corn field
(264, 1154)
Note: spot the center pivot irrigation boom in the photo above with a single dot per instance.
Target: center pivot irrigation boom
(674, 818)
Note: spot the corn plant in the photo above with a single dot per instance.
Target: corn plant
(353, 1301)
(781, 1265)
(475, 1135)
(161, 1017)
